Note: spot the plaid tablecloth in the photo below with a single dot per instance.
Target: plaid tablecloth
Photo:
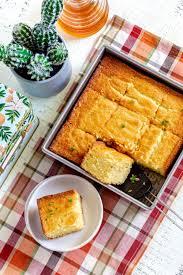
(126, 230)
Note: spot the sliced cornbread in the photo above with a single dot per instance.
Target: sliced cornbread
(60, 214)
(109, 86)
(91, 113)
(106, 164)
(131, 113)
(72, 143)
(125, 128)
(157, 149)
(169, 115)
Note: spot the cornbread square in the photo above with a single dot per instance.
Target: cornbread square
(138, 102)
(125, 128)
(169, 119)
(111, 66)
(157, 149)
(149, 87)
(106, 164)
(91, 113)
(170, 114)
(60, 214)
(72, 143)
(109, 86)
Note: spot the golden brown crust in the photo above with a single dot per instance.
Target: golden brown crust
(72, 143)
(86, 102)
(109, 86)
(125, 128)
(165, 153)
(169, 119)
(92, 112)
(157, 149)
(60, 214)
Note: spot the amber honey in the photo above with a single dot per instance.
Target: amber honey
(82, 18)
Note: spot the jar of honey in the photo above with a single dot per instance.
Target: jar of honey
(82, 18)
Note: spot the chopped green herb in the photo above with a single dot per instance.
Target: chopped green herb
(69, 200)
(72, 149)
(164, 123)
(122, 126)
(134, 179)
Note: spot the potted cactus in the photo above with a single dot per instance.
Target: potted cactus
(38, 56)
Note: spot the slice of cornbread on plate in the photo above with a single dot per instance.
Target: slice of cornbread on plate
(60, 214)
(106, 164)
(91, 112)
(72, 143)
(157, 149)
(125, 128)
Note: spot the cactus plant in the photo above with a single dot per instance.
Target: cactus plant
(17, 56)
(44, 37)
(50, 11)
(57, 53)
(22, 34)
(2, 52)
(40, 67)
(35, 53)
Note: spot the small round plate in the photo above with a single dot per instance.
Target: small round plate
(92, 211)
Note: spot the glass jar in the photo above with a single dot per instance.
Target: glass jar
(82, 18)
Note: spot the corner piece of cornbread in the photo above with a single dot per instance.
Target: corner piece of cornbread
(72, 143)
(106, 164)
(60, 214)
(157, 149)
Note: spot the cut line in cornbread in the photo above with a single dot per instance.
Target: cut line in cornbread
(60, 214)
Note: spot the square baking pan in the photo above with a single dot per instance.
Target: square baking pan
(158, 182)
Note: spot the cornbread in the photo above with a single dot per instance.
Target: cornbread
(124, 93)
(157, 149)
(125, 128)
(72, 143)
(60, 214)
(106, 164)
(92, 112)
(129, 111)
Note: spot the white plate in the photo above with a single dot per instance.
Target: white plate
(92, 210)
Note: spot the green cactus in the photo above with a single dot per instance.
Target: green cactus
(50, 11)
(44, 37)
(2, 52)
(57, 53)
(17, 56)
(40, 67)
(22, 34)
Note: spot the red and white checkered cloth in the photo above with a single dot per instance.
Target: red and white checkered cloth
(126, 230)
